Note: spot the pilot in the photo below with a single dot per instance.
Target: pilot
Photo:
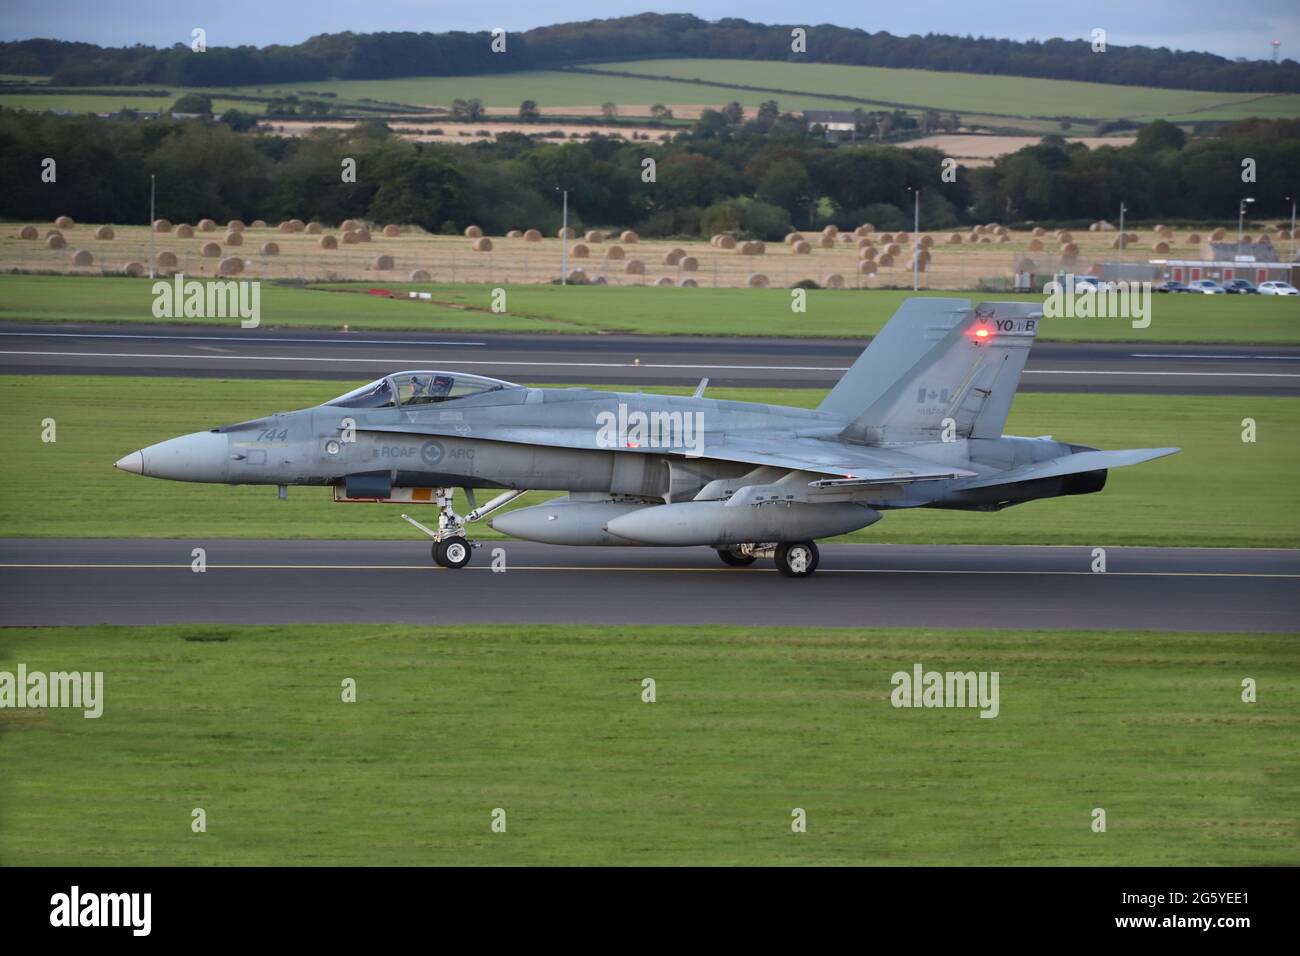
(439, 388)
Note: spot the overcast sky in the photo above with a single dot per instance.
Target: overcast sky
(1231, 30)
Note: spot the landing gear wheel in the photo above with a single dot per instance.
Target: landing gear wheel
(452, 552)
(797, 559)
(735, 558)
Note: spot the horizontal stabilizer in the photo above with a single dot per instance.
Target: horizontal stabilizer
(1070, 465)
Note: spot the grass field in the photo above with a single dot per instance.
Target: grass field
(969, 92)
(1218, 491)
(844, 313)
(547, 723)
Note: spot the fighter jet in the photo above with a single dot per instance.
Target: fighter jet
(916, 422)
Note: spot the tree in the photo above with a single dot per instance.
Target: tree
(528, 110)
(661, 112)
(193, 103)
(609, 110)
(768, 112)
(1159, 135)
(734, 112)
(471, 109)
(239, 121)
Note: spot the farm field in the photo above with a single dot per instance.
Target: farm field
(969, 92)
(748, 723)
(1175, 501)
(641, 309)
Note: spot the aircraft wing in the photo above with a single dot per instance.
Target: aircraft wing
(1070, 465)
(843, 462)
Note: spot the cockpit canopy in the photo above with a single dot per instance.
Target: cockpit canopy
(419, 388)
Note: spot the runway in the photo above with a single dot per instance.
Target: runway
(209, 351)
(62, 581)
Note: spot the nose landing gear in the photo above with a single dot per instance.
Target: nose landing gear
(451, 549)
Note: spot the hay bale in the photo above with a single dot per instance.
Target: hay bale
(833, 281)
(866, 268)
(392, 231)
(482, 244)
(362, 234)
(235, 225)
(532, 235)
(166, 260)
(757, 281)
(419, 275)
(902, 238)
(578, 277)
(184, 231)
(285, 227)
(893, 249)
(826, 242)
(1027, 265)
(919, 266)
(866, 229)
(689, 264)
(664, 282)
(211, 250)
(986, 238)
(351, 237)
(1161, 247)
(923, 255)
(724, 241)
(614, 252)
(1003, 238)
(29, 232)
(599, 280)
(55, 240)
(627, 235)
(314, 228)
(1069, 251)
(162, 225)
(349, 224)
(866, 244)
(207, 225)
(954, 238)
(473, 232)
(64, 222)
(801, 248)
(886, 238)
(634, 267)
(234, 239)
(515, 234)
(230, 266)
(674, 256)
(689, 284)
(133, 269)
(258, 224)
(792, 237)
(1162, 230)
(1064, 237)
(104, 232)
(1039, 232)
(868, 253)
(579, 251)
(270, 248)
(565, 233)
(927, 242)
(296, 225)
(885, 261)
(1217, 235)
(831, 231)
(328, 242)
(1035, 245)
(1094, 227)
(82, 257)
(595, 235)
(382, 263)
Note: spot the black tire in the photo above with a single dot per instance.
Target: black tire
(452, 552)
(797, 559)
(734, 558)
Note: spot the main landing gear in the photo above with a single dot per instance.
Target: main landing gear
(451, 549)
(794, 559)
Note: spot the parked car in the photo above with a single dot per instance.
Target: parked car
(1240, 287)
(1172, 286)
(1206, 287)
(1278, 288)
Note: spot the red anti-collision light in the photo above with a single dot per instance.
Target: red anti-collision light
(982, 333)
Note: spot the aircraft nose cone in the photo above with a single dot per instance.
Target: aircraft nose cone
(201, 456)
(134, 463)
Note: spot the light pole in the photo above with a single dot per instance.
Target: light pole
(152, 258)
(1241, 221)
(1292, 198)
(1122, 209)
(564, 238)
(916, 238)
